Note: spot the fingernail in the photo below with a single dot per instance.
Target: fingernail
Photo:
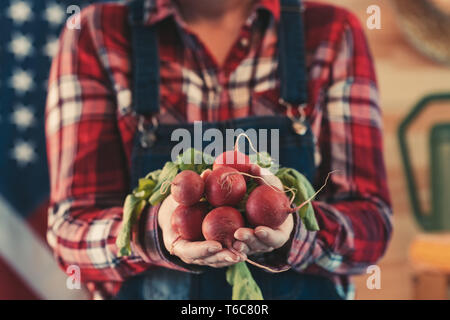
(261, 233)
(229, 259)
(213, 249)
(241, 248)
(245, 237)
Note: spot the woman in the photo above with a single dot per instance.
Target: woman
(134, 73)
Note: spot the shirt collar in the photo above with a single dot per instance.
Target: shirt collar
(158, 10)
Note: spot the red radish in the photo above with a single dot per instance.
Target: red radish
(220, 225)
(233, 159)
(187, 221)
(267, 206)
(187, 187)
(225, 186)
(241, 162)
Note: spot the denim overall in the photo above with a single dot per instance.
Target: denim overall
(153, 148)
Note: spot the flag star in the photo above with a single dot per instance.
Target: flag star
(54, 14)
(23, 152)
(21, 81)
(20, 45)
(20, 11)
(22, 117)
(51, 47)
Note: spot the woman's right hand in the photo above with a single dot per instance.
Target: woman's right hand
(205, 253)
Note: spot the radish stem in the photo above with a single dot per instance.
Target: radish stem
(165, 186)
(254, 177)
(315, 194)
(256, 264)
(249, 142)
(236, 145)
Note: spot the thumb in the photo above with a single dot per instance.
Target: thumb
(205, 174)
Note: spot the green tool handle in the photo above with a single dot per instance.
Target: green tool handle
(427, 221)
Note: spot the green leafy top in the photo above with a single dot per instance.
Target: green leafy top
(151, 190)
(264, 160)
(194, 160)
(244, 286)
(293, 179)
(165, 177)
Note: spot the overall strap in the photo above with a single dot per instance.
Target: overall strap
(145, 57)
(145, 61)
(292, 62)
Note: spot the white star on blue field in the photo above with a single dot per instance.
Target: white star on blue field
(29, 33)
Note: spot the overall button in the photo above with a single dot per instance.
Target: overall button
(148, 139)
(299, 127)
(148, 135)
(245, 42)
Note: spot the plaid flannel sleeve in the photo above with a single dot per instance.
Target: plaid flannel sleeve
(354, 211)
(87, 164)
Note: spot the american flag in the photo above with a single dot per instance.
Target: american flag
(29, 31)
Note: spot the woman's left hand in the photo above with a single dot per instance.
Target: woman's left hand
(263, 239)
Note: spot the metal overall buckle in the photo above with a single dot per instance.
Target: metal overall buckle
(147, 135)
(298, 123)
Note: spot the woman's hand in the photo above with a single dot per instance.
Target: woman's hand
(263, 239)
(207, 253)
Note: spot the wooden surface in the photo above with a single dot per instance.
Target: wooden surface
(431, 286)
(404, 76)
(431, 253)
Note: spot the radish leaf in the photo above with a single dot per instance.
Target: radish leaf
(194, 160)
(244, 286)
(264, 160)
(167, 174)
(132, 209)
(291, 178)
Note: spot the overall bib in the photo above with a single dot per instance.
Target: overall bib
(153, 147)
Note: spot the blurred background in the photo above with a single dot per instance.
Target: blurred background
(411, 50)
(405, 76)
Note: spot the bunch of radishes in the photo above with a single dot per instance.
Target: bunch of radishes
(208, 204)
(213, 204)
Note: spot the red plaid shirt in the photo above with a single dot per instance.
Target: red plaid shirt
(90, 128)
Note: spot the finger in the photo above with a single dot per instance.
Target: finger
(270, 237)
(168, 206)
(241, 247)
(205, 174)
(247, 236)
(287, 225)
(221, 264)
(222, 257)
(275, 238)
(188, 251)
